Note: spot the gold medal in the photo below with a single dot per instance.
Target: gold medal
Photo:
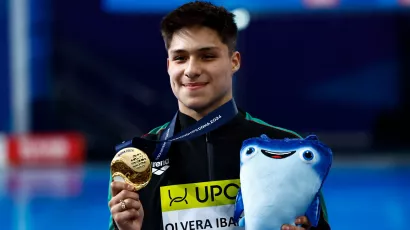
(132, 166)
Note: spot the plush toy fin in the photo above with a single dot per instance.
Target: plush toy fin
(313, 212)
(239, 209)
(312, 137)
(242, 222)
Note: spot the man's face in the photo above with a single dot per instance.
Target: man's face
(200, 69)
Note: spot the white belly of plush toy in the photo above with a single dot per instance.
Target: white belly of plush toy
(276, 191)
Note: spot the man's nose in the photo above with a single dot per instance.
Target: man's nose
(193, 69)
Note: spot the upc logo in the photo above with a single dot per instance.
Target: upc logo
(178, 198)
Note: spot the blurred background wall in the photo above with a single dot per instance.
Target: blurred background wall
(78, 77)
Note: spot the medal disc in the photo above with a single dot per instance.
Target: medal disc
(131, 165)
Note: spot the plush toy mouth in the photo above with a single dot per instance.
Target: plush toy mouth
(277, 155)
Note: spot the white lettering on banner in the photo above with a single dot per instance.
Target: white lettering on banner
(47, 148)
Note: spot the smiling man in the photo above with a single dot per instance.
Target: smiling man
(201, 42)
(200, 67)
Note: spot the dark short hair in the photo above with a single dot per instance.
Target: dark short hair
(200, 13)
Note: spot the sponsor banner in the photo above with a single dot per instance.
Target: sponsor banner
(46, 149)
(206, 205)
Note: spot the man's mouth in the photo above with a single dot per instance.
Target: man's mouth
(195, 85)
(277, 155)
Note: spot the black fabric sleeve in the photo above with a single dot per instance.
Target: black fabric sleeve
(322, 225)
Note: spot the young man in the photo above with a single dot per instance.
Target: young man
(200, 39)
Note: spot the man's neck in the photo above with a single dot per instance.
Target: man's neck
(194, 114)
(200, 113)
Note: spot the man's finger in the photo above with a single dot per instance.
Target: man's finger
(124, 194)
(291, 227)
(128, 215)
(300, 228)
(129, 204)
(303, 220)
(117, 187)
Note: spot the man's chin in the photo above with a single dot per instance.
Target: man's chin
(198, 107)
(196, 104)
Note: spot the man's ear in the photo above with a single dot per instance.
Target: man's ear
(236, 61)
(167, 64)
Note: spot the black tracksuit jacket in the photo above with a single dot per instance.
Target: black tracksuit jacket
(211, 157)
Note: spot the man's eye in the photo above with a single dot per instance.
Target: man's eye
(179, 58)
(208, 56)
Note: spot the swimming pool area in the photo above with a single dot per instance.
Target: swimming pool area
(357, 197)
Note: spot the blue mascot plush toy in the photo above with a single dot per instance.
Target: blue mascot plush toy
(280, 181)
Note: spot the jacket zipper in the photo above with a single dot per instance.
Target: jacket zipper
(209, 153)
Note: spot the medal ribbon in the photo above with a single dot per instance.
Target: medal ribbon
(210, 122)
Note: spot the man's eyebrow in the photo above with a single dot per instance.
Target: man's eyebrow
(207, 48)
(177, 51)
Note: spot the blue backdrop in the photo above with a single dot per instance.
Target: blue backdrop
(306, 72)
(4, 69)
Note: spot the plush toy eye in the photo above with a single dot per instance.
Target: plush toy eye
(250, 151)
(308, 155)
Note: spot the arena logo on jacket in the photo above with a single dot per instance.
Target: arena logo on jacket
(159, 167)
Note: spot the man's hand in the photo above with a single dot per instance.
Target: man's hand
(303, 220)
(125, 206)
